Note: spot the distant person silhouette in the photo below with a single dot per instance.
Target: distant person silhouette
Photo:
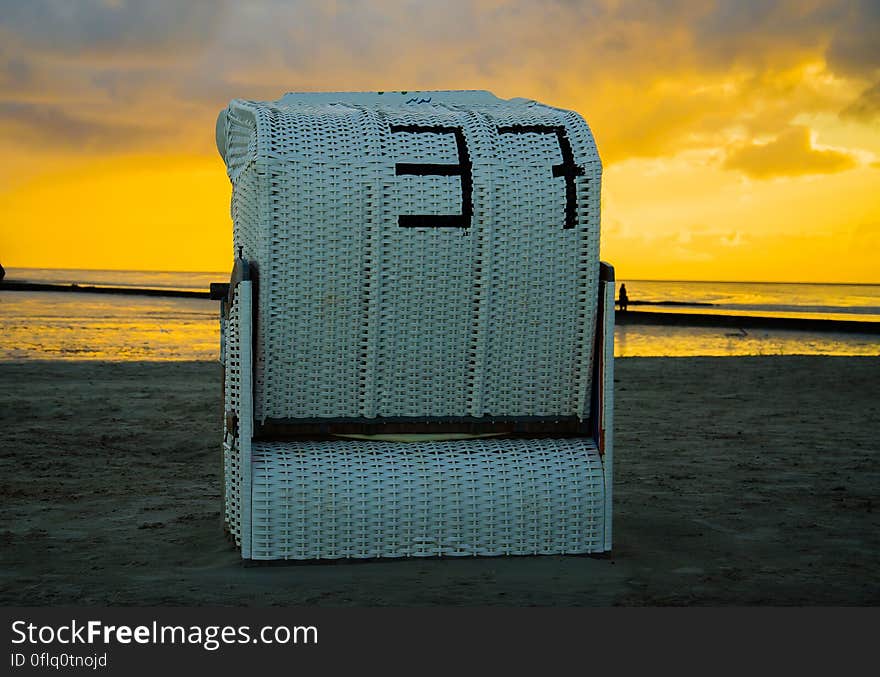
(624, 299)
(2, 272)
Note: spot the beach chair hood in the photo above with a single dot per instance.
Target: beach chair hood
(456, 237)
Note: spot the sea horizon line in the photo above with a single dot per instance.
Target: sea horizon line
(619, 278)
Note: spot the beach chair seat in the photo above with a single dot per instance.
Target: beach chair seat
(369, 499)
(417, 337)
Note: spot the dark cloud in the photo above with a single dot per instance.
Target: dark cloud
(15, 73)
(758, 32)
(52, 125)
(854, 48)
(723, 33)
(789, 154)
(125, 86)
(865, 108)
(101, 25)
(641, 72)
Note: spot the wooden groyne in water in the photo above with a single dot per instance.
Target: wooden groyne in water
(9, 285)
(630, 317)
(636, 317)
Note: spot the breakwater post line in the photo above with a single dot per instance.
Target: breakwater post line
(9, 285)
(644, 317)
(631, 317)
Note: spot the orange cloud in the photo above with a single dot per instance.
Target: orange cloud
(867, 106)
(792, 153)
(119, 99)
(643, 75)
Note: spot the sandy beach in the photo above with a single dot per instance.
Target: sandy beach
(738, 481)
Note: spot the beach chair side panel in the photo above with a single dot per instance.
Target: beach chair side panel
(238, 416)
(604, 413)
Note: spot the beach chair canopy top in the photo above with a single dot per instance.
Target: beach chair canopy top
(416, 255)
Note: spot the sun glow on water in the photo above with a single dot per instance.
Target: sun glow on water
(50, 325)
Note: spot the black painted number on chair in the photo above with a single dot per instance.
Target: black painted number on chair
(567, 169)
(462, 169)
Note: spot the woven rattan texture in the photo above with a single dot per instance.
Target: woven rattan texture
(360, 316)
(607, 412)
(231, 443)
(360, 499)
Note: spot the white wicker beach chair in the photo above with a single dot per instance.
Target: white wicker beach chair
(418, 264)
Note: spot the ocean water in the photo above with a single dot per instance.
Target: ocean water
(50, 325)
(119, 278)
(767, 299)
(61, 325)
(774, 299)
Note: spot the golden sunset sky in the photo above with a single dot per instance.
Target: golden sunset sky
(741, 139)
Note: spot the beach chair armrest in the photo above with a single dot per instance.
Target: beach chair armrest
(603, 361)
(602, 411)
(238, 402)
